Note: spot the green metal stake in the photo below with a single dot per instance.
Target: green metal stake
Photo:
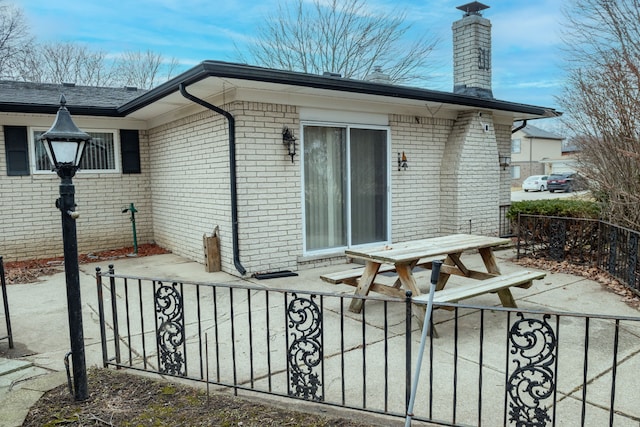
(133, 211)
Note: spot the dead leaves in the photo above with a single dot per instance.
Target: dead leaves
(588, 272)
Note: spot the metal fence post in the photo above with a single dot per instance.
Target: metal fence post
(7, 318)
(103, 331)
(114, 311)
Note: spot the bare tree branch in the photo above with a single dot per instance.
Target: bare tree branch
(15, 39)
(601, 100)
(339, 36)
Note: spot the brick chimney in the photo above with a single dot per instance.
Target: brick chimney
(472, 52)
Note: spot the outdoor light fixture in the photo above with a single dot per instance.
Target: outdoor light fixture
(289, 141)
(64, 144)
(505, 161)
(402, 161)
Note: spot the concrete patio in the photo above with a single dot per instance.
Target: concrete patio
(39, 323)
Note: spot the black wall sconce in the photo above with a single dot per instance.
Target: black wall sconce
(505, 161)
(289, 141)
(402, 162)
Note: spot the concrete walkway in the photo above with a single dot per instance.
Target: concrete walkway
(40, 324)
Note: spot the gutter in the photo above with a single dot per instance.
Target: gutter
(232, 171)
(522, 126)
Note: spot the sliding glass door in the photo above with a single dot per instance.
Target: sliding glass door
(345, 186)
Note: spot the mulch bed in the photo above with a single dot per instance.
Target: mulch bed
(29, 271)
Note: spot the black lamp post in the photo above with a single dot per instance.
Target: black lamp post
(64, 144)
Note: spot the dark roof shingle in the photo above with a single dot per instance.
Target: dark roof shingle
(47, 96)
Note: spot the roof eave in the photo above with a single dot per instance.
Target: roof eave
(245, 72)
(15, 107)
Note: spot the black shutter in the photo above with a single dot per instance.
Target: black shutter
(130, 151)
(16, 147)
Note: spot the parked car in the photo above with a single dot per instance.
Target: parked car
(535, 183)
(566, 182)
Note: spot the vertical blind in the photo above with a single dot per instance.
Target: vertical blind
(99, 153)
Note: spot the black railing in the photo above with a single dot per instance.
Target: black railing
(609, 247)
(5, 303)
(505, 228)
(488, 366)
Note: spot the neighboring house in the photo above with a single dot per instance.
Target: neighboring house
(567, 162)
(532, 152)
(206, 149)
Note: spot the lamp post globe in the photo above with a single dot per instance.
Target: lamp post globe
(64, 144)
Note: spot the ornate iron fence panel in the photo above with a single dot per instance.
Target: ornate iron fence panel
(304, 344)
(170, 333)
(531, 386)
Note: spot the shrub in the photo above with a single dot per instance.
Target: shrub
(555, 207)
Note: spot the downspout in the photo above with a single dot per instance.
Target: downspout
(522, 126)
(232, 172)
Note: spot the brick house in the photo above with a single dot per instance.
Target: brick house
(533, 152)
(206, 149)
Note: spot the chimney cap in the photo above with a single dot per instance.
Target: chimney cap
(473, 8)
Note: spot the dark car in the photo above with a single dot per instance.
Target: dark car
(566, 182)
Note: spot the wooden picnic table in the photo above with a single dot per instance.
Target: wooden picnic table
(405, 256)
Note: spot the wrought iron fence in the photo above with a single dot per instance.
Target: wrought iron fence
(488, 366)
(5, 302)
(505, 228)
(609, 247)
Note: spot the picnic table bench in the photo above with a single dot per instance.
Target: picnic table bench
(497, 284)
(403, 257)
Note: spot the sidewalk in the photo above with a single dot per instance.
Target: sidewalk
(40, 324)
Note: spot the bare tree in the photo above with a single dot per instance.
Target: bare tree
(15, 39)
(602, 101)
(76, 63)
(144, 69)
(339, 36)
(65, 63)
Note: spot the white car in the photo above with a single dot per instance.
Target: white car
(535, 183)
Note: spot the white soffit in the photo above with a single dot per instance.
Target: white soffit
(302, 96)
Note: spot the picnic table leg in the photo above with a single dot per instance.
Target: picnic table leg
(405, 276)
(505, 295)
(506, 298)
(489, 260)
(368, 276)
(398, 283)
(444, 277)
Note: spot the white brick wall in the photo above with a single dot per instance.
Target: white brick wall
(30, 224)
(191, 193)
(184, 190)
(416, 196)
(471, 177)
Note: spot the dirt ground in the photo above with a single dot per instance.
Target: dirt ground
(118, 398)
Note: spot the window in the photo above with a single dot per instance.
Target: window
(345, 186)
(16, 149)
(515, 172)
(99, 153)
(515, 145)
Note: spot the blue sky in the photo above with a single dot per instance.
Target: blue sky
(527, 58)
